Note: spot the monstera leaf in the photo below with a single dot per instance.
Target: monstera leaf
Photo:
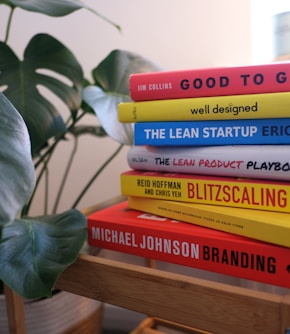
(33, 251)
(54, 8)
(21, 81)
(112, 74)
(105, 107)
(48, 7)
(111, 77)
(17, 175)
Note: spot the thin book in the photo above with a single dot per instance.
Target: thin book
(250, 161)
(267, 226)
(232, 80)
(249, 106)
(256, 194)
(267, 131)
(126, 230)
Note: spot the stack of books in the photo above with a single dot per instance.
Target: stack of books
(211, 149)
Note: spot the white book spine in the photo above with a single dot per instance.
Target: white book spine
(250, 161)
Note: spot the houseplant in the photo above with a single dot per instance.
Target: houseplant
(35, 250)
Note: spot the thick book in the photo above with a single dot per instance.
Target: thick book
(251, 79)
(249, 161)
(249, 106)
(221, 132)
(257, 194)
(135, 232)
(267, 226)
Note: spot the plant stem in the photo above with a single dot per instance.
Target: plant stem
(26, 208)
(98, 172)
(57, 140)
(46, 191)
(9, 24)
(117, 26)
(65, 175)
(43, 160)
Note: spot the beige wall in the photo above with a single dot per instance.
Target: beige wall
(174, 34)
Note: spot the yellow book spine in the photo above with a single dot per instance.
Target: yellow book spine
(243, 193)
(272, 227)
(250, 106)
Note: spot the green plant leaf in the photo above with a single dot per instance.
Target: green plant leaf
(54, 8)
(47, 7)
(111, 78)
(94, 130)
(35, 251)
(112, 74)
(17, 175)
(105, 107)
(46, 63)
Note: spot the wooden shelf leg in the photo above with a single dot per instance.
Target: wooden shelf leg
(15, 312)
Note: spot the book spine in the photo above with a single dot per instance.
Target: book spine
(262, 262)
(226, 132)
(251, 106)
(214, 217)
(250, 161)
(253, 79)
(233, 192)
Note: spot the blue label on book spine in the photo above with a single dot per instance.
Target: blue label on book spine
(225, 132)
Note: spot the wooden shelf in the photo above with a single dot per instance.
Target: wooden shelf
(202, 304)
(205, 305)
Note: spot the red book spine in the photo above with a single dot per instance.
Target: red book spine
(238, 80)
(134, 232)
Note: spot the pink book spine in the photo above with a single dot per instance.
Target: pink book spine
(239, 80)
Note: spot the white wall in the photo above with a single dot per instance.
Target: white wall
(174, 34)
(263, 29)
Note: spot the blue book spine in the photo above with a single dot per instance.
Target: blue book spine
(224, 132)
